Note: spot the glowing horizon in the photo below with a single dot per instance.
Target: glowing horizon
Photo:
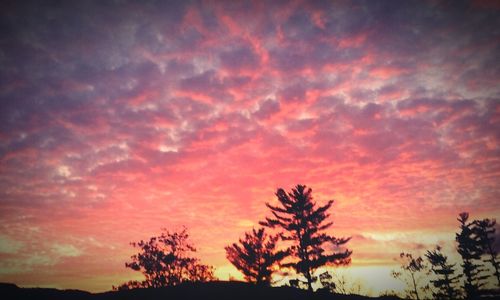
(119, 119)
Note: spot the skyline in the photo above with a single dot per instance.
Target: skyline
(118, 119)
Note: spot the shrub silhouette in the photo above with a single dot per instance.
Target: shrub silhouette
(164, 260)
(304, 224)
(255, 255)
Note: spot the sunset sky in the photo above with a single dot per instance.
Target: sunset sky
(119, 118)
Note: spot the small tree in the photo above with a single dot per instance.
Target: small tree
(446, 280)
(326, 280)
(255, 255)
(304, 224)
(164, 260)
(469, 248)
(340, 284)
(410, 267)
(485, 231)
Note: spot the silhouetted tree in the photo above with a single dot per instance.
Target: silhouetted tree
(304, 224)
(469, 248)
(340, 284)
(326, 280)
(485, 231)
(410, 267)
(164, 260)
(255, 255)
(446, 280)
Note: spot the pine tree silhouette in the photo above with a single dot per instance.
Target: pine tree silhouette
(485, 230)
(255, 255)
(469, 248)
(446, 280)
(304, 224)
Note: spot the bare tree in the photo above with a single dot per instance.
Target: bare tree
(409, 274)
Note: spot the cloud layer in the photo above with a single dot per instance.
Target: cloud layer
(120, 118)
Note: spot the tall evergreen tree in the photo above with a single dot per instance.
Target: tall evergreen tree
(446, 280)
(469, 248)
(485, 230)
(255, 255)
(304, 225)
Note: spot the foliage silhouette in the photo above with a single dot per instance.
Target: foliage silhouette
(255, 255)
(129, 285)
(164, 260)
(485, 231)
(340, 283)
(326, 280)
(446, 280)
(304, 224)
(411, 267)
(469, 248)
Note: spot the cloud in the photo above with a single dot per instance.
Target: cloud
(239, 58)
(267, 108)
(9, 246)
(67, 250)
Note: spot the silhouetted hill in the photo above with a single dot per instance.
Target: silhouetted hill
(11, 291)
(205, 291)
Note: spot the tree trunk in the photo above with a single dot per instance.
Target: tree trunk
(309, 281)
(304, 256)
(449, 289)
(415, 286)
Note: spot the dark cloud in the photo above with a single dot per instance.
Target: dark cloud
(240, 58)
(267, 109)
